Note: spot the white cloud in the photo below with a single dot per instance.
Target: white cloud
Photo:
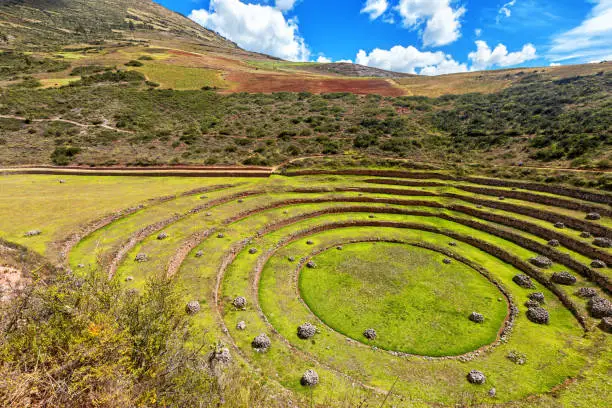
(478, 32)
(484, 57)
(323, 59)
(285, 5)
(591, 40)
(441, 20)
(555, 64)
(409, 59)
(346, 61)
(505, 10)
(375, 8)
(254, 27)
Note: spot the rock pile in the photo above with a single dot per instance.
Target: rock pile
(537, 296)
(447, 261)
(192, 307)
(199, 254)
(369, 334)
(241, 325)
(162, 235)
(476, 317)
(240, 302)
(563, 278)
(606, 324)
(261, 343)
(586, 292)
(541, 261)
(221, 355)
(306, 331)
(593, 216)
(311, 265)
(559, 225)
(538, 315)
(32, 233)
(523, 281)
(253, 251)
(141, 258)
(310, 378)
(585, 234)
(476, 377)
(554, 243)
(602, 242)
(599, 307)
(598, 264)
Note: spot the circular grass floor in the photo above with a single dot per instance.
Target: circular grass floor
(415, 302)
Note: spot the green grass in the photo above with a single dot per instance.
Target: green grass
(181, 78)
(399, 281)
(415, 302)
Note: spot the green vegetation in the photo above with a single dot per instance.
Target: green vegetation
(415, 302)
(385, 285)
(15, 64)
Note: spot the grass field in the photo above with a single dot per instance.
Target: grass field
(230, 237)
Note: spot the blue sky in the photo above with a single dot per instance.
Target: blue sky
(417, 36)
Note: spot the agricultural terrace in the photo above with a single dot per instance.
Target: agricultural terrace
(401, 288)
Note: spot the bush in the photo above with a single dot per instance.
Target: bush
(106, 345)
(134, 63)
(63, 155)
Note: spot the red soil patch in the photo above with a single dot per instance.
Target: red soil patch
(268, 83)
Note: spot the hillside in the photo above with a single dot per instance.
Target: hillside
(161, 90)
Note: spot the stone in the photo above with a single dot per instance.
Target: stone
(221, 355)
(538, 315)
(80, 266)
(253, 251)
(241, 201)
(476, 377)
(62, 181)
(192, 307)
(306, 331)
(606, 324)
(602, 242)
(532, 303)
(261, 343)
(32, 233)
(563, 278)
(559, 225)
(203, 197)
(476, 317)
(492, 392)
(241, 325)
(599, 307)
(371, 216)
(129, 278)
(585, 234)
(446, 261)
(220, 235)
(309, 242)
(554, 243)
(586, 292)
(339, 248)
(502, 198)
(310, 378)
(453, 244)
(593, 216)
(369, 334)
(537, 296)
(141, 258)
(541, 261)
(523, 281)
(162, 235)
(240, 302)
(291, 259)
(517, 358)
(598, 264)
(199, 254)
(311, 265)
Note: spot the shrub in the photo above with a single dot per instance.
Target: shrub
(63, 155)
(134, 63)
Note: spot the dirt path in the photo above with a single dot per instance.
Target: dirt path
(83, 125)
